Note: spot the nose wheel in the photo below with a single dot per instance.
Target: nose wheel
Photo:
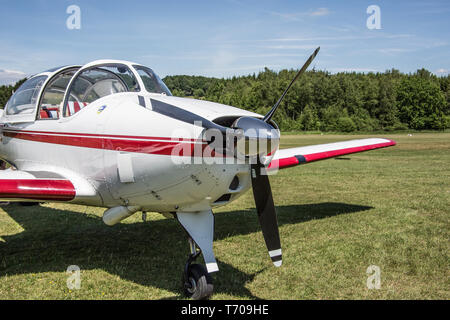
(197, 282)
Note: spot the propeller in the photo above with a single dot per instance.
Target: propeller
(262, 192)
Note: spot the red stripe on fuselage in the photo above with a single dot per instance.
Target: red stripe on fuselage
(37, 189)
(10, 129)
(166, 146)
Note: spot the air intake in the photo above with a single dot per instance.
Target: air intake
(224, 198)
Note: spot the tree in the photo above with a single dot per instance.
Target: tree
(421, 103)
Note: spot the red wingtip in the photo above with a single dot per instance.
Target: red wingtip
(392, 142)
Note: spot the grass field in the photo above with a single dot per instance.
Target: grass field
(388, 207)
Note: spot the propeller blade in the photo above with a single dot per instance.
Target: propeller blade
(267, 215)
(269, 115)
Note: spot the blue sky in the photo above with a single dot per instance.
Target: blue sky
(227, 37)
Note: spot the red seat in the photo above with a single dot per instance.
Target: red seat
(49, 112)
(43, 114)
(74, 106)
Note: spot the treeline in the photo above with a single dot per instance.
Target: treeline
(343, 102)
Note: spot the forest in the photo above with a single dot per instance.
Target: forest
(326, 102)
(342, 102)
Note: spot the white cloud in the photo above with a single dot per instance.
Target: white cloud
(319, 12)
(284, 47)
(393, 51)
(336, 70)
(442, 71)
(328, 38)
(10, 76)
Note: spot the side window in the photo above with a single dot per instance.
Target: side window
(97, 82)
(152, 82)
(24, 100)
(53, 95)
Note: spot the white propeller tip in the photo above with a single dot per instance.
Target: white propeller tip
(212, 267)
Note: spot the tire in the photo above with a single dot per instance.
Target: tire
(199, 283)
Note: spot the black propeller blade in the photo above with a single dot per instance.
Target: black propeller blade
(266, 212)
(269, 115)
(261, 187)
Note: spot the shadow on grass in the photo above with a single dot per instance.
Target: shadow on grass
(149, 254)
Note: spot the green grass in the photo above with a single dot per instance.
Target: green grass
(388, 207)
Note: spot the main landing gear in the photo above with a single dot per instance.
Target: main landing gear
(197, 282)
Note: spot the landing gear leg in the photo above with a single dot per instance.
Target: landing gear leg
(197, 282)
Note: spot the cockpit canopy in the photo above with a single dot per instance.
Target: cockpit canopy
(69, 89)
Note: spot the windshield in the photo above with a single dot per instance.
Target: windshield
(23, 101)
(151, 81)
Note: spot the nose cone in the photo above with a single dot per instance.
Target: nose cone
(257, 137)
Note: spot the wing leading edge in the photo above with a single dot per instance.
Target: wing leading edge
(290, 157)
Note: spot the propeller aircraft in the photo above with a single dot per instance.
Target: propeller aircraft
(110, 134)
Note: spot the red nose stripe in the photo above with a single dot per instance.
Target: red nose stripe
(165, 146)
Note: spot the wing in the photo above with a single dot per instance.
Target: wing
(290, 157)
(17, 185)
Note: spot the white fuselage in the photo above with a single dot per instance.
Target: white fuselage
(117, 152)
